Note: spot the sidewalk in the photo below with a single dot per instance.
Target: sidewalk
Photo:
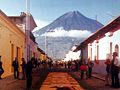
(9, 83)
(97, 82)
(95, 75)
(60, 81)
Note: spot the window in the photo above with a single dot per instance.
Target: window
(117, 49)
(111, 50)
(97, 52)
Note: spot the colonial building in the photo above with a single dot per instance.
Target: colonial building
(100, 46)
(26, 23)
(13, 40)
(12, 43)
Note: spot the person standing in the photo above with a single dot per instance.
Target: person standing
(90, 66)
(23, 65)
(115, 70)
(1, 68)
(107, 77)
(29, 67)
(16, 66)
(84, 69)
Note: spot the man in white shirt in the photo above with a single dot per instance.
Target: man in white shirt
(117, 61)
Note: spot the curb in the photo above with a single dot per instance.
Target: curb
(11, 81)
(97, 77)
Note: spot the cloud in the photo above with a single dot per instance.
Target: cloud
(40, 24)
(72, 33)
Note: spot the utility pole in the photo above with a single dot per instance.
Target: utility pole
(45, 45)
(27, 31)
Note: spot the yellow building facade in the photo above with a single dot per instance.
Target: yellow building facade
(31, 45)
(12, 43)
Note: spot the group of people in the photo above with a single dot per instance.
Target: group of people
(112, 69)
(26, 70)
(86, 68)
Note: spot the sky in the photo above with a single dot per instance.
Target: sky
(46, 11)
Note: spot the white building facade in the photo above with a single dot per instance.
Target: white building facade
(101, 45)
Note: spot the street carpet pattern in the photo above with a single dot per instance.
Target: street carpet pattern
(60, 81)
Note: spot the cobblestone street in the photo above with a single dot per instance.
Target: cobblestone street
(60, 80)
(55, 80)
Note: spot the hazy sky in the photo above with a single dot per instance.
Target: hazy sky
(45, 11)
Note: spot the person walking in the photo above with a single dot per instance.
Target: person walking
(1, 68)
(23, 65)
(16, 66)
(29, 67)
(107, 77)
(115, 71)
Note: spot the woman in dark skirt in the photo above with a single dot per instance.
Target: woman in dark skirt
(107, 78)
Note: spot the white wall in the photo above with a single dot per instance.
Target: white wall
(104, 50)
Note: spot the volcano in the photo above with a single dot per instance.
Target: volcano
(70, 24)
